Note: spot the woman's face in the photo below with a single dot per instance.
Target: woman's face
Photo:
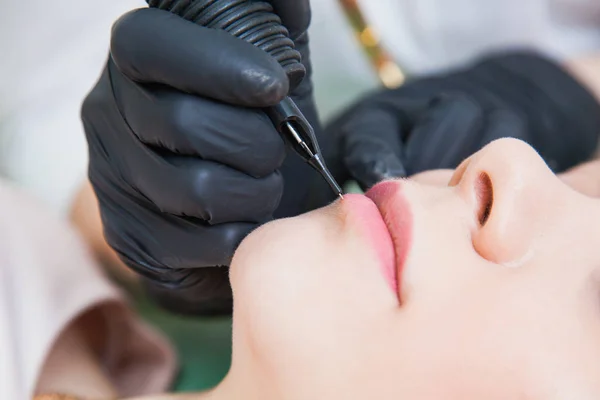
(488, 287)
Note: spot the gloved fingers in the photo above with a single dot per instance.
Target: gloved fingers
(302, 89)
(200, 291)
(215, 193)
(372, 148)
(444, 135)
(503, 123)
(153, 243)
(295, 15)
(154, 46)
(242, 138)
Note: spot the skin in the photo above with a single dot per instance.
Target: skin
(585, 69)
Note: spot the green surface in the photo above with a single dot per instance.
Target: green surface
(352, 187)
(203, 345)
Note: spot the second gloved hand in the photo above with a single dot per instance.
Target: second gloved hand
(437, 121)
(183, 160)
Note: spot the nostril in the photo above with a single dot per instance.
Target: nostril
(459, 172)
(484, 192)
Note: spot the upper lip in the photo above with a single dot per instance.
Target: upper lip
(396, 213)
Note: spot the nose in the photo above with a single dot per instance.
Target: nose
(512, 192)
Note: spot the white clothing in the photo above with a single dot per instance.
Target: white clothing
(47, 280)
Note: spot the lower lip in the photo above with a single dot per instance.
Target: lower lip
(368, 216)
(395, 212)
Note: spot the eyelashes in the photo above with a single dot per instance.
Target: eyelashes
(485, 197)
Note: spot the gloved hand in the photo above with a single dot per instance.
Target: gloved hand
(182, 159)
(437, 121)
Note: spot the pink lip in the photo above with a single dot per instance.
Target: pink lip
(364, 213)
(395, 212)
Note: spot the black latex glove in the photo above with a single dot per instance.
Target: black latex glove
(437, 121)
(182, 161)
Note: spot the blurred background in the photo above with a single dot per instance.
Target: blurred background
(51, 54)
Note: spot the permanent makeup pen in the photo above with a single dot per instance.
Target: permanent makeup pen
(256, 23)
